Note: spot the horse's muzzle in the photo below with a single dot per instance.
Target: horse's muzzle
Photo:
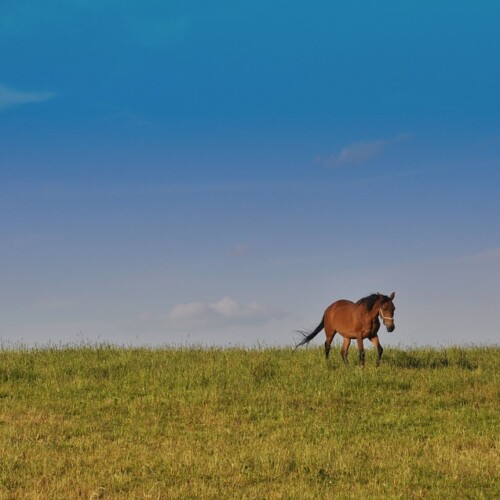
(390, 328)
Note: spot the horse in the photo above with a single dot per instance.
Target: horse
(358, 321)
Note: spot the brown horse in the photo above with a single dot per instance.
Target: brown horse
(358, 321)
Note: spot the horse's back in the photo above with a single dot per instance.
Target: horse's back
(338, 316)
(340, 304)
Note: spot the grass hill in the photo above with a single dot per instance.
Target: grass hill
(108, 422)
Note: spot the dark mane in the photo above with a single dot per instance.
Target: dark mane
(369, 301)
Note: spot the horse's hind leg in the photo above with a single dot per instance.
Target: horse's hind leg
(328, 342)
(380, 350)
(345, 349)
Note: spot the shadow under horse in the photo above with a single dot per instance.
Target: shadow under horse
(355, 321)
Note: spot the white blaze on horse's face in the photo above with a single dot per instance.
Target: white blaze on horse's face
(387, 314)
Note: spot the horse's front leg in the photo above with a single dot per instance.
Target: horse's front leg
(376, 343)
(361, 350)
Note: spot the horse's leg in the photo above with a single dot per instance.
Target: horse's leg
(328, 342)
(345, 349)
(376, 343)
(361, 350)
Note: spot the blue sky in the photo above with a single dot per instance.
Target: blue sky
(219, 172)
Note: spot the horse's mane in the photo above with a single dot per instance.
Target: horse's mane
(369, 300)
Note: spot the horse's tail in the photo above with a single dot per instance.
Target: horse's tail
(307, 337)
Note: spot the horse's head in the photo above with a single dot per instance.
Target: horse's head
(386, 312)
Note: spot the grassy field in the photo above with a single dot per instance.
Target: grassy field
(106, 422)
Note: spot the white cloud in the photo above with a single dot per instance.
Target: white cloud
(360, 152)
(226, 307)
(182, 312)
(11, 97)
(357, 152)
(229, 308)
(225, 311)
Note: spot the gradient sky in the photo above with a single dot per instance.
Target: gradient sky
(217, 173)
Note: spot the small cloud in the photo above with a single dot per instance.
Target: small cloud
(182, 312)
(226, 307)
(360, 152)
(11, 97)
(225, 311)
(229, 308)
(357, 152)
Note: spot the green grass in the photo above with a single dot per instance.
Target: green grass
(107, 422)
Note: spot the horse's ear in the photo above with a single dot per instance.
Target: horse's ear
(393, 294)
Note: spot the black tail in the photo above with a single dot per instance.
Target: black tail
(307, 337)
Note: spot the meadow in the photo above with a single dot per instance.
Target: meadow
(110, 422)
